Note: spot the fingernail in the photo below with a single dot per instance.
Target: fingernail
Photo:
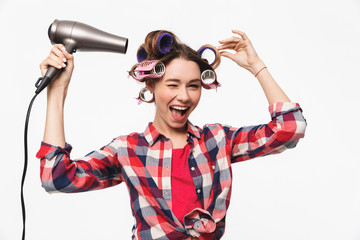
(63, 48)
(59, 66)
(64, 59)
(64, 65)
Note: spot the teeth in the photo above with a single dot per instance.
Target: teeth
(179, 108)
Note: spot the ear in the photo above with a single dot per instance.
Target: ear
(150, 84)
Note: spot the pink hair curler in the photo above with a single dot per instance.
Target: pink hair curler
(147, 69)
(145, 96)
(209, 79)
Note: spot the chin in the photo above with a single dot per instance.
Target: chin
(179, 125)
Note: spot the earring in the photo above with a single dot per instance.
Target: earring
(145, 96)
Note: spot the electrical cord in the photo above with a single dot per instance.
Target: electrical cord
(25, 165)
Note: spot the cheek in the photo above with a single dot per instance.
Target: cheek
(162, 96)
(196, 96)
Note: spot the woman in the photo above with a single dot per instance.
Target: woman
(178, 175)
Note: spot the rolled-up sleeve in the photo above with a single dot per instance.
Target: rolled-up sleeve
(97, 170)
(282, 132)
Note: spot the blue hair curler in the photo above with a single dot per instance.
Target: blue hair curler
(216, 53)
(165, 42)
(141, 54)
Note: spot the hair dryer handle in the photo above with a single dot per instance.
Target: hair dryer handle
(51, 73)
(43, 82)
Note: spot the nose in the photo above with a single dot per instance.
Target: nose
(183, 95)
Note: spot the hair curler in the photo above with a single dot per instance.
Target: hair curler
(147, 69)
(141, 54)
(202, 52)
(209, 79)
(77, 36)
(164, 43)
(145, 96)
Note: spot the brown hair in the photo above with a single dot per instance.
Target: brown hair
(178, 50)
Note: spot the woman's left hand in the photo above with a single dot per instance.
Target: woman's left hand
(245, 55)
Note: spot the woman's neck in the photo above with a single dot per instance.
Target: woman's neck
(178, 136)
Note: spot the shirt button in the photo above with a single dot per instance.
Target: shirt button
(192, 169)
(198, 191)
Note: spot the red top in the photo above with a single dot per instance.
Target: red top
(184, 198)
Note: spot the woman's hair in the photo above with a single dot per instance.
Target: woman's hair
(163, 46)
(176, 50)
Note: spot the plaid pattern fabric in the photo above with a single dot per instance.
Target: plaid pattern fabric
(143, 162)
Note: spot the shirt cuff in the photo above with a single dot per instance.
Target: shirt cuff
(48, 151)
(281, 108)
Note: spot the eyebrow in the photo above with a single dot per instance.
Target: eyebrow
(177, 80)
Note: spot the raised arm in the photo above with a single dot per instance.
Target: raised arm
(287, 125)
(99, 169)
(245, 56)
(56, 94)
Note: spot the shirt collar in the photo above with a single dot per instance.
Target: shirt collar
(151, 134)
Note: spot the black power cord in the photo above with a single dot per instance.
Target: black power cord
(25, 165)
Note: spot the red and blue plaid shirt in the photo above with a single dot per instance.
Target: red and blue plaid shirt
(143, 162)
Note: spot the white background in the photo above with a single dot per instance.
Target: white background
(312, 49)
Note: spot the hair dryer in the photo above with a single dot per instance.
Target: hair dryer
(76, 36)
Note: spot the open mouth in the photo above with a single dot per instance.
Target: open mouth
(178, 112)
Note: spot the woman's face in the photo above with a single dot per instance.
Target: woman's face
(176, 94)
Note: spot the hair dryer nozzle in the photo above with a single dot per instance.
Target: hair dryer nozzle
(77, 36)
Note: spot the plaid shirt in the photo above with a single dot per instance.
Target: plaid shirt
(143, 162)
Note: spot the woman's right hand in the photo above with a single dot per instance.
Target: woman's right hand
(59, 58)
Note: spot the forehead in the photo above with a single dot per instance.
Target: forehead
(182, 69)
